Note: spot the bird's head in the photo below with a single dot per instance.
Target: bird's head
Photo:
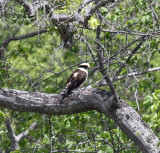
(85, 65)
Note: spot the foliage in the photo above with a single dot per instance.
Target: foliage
(150, 111)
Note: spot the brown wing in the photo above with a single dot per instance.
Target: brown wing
(76, 79)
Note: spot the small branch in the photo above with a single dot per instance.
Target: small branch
(138, 33)
(9, 39)
(91, 51)
(136, 73)
(25, 133)
(124, 48)
(32, 34)
(84, 4)
(12, 136)
(131, 55)
(102, 69)
(133, 74)
(115, 54)
(14, 140)
(156, 33)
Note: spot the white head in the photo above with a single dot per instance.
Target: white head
(84, 65)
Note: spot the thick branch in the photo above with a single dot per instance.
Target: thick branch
(32, 8)
(29, 8)
(83, 100)
(66, 18)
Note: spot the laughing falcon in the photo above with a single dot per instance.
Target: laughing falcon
(76, 78)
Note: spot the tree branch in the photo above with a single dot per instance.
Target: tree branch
(83, 100)
(133, 74)
(66, 18)
(25, 133)
(14, 140)
(95, 8)
(130, 56)
(56, 18)
(12, 136)
(9, 39)
(101, 65)
(32, 8)
(136, 73)
(32, 34)
(29, 8)
(156, 33)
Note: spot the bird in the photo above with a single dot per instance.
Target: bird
(77, 78)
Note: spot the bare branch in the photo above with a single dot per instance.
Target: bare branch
(14, 140)
(32, 34)
(9, 39)
(156, 33)
(12, 136)
(131, 55)
(131, 75)
(102, 69)
(138, 33)
(136, 73)
(115, 54)
(25, 133)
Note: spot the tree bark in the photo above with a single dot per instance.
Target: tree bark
(13, 140)
(83, 100)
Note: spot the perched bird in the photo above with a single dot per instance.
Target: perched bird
(78, 77)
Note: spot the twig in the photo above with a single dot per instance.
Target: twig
(128, 59)
(133, 74)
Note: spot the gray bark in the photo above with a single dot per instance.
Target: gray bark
(12, 136)
(84, 100)
(14, 140)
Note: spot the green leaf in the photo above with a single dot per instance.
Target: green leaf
(94, 22)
